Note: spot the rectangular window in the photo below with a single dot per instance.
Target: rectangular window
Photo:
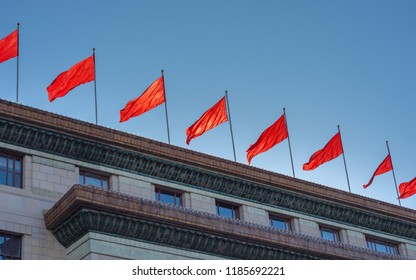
(280, 223)
(382, 246)
(227, 210)
(10, 170)
(89, 178)
(329, 234)
(10, 247)
(168, 196)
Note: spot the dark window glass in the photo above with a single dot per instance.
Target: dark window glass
(382, 246)
(227, 210)
(280, 223)
(89, 178)
(10, 170)
(10, 247)
(329, 234)
(168, 196)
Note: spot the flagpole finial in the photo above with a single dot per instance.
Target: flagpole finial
(93, 50)
(18, 24)
(163, 71)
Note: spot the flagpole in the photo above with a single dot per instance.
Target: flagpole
(166, 107)
(231, 127)
(394, 176)
(17, 64)
(95, 89)
(345, 162)
(288, 140)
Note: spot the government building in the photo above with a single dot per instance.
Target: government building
(74, 190)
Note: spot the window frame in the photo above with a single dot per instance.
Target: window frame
(334, 231)
(85, 172)
(176, 194)
(235, 209)
(287, 222)
(4, 247)
(13, 157)
(391, 247)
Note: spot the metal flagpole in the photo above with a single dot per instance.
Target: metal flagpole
(394, 176)
(17, 64)
(166, 107)
(345, 163)
(231, 127)
(95, 89)
(288, 140)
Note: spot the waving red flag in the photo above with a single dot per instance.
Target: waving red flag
(407, 189)
(152, 97)
(213, 117)
(81, 73)
(273, 135)
(331, 150)
(8, 46)
(384, 167)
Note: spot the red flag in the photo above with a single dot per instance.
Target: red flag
(407, 189)
(331, 150)
(8, 46)
(384, 167)
(273, 135)
(213, 117)
(152, 97)
(81, 73)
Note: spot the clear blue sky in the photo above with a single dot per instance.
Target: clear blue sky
(351, 63)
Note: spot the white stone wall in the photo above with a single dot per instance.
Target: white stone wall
(254, 215)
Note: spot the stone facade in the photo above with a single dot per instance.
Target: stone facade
(59, 219)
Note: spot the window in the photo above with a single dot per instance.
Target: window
(329, 234)
(168, 196)
(89, 178)
(227, 210)
(280, 222)
(10, 170)
(382, 246)
(10, 247)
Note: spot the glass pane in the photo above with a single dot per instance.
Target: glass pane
(279, 224)
(17, 166)
(15, 247)
(104, 183)
(3, 163)
(6, 246)
(381, 248)
(329, 235)
(1, 245)
(89, 180)
(17, 181)
(10, 178)
(10, 165)
(226, 212)
(81, 179)
(178, 201)
(167, 198)
(156, 195)
(2, 177)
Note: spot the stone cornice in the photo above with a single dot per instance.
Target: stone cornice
(85, 208)
(275, 195)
